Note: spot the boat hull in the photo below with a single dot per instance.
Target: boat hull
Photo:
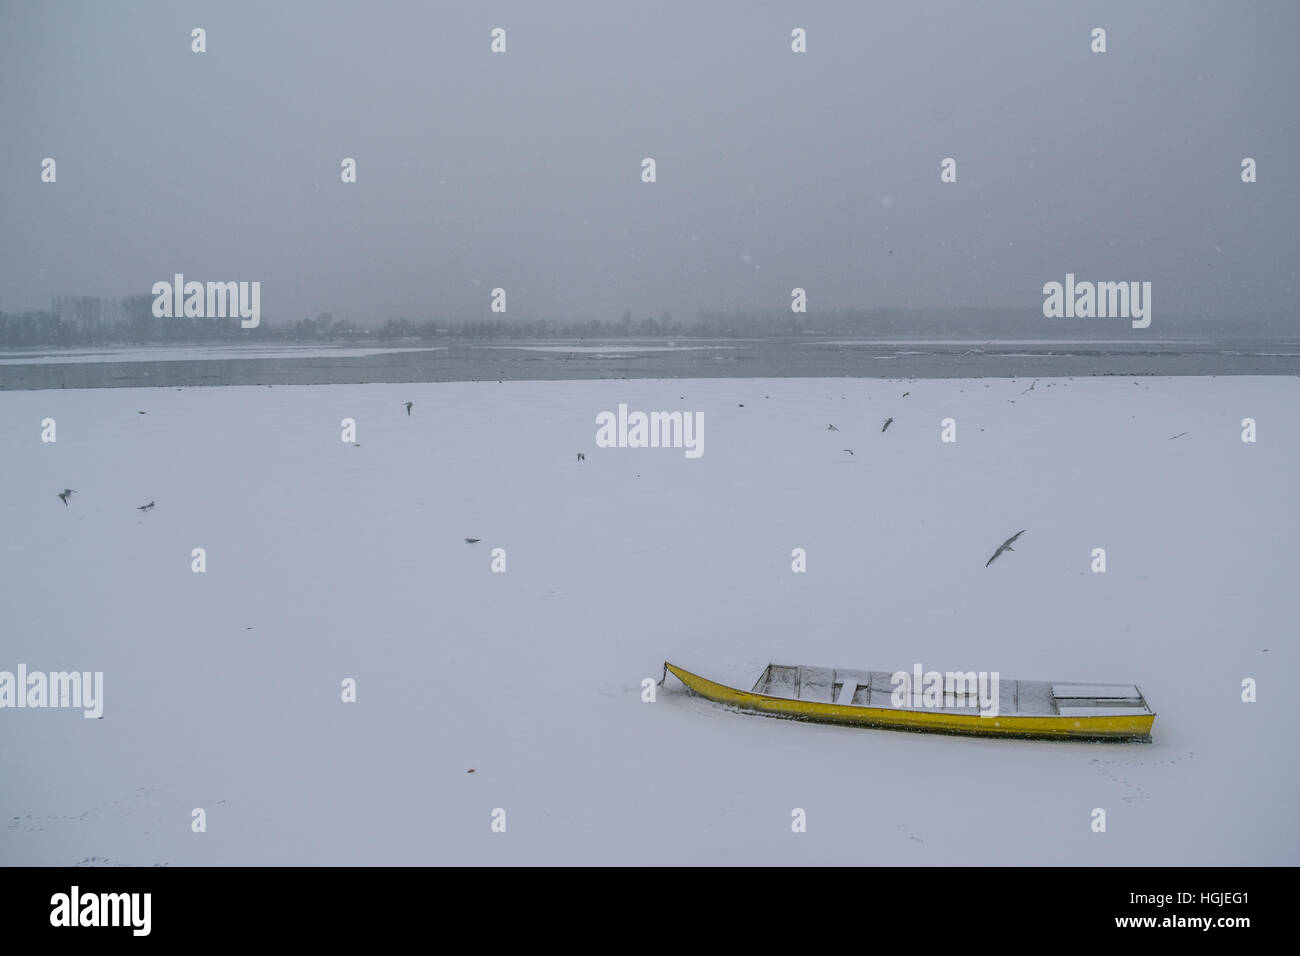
(1130, 727)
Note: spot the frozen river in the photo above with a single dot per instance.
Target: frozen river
(587, 359)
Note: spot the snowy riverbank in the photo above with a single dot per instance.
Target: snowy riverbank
(328, 560)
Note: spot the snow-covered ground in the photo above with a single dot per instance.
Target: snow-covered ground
(328, 560)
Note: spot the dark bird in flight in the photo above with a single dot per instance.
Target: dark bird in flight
(64, 495)
(831, 428)
(408, 408)
(473, 540)
(905, 394)
(1006, 546)
(581, 457)
(1030, 388)
(888, 422)
(1171, 437)
(147, 507)
(849, 450)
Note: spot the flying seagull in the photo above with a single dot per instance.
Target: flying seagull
(1171, 438)
(473, 540)
(831, 428)
(1006, 546)
(408, 409)
(849, 450)
(905, 394)
(581, 457)
(1030, 388)
(64, 495)
(888, 422)
(147, 507)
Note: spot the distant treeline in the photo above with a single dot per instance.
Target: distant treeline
(88, 320)
(92, 321)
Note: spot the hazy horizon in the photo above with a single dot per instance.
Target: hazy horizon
(522, 170)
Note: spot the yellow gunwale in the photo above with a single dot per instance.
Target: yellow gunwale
(1127, 727)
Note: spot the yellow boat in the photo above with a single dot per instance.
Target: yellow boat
(1040, 709)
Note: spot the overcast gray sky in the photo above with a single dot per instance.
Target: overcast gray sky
(775, 170)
